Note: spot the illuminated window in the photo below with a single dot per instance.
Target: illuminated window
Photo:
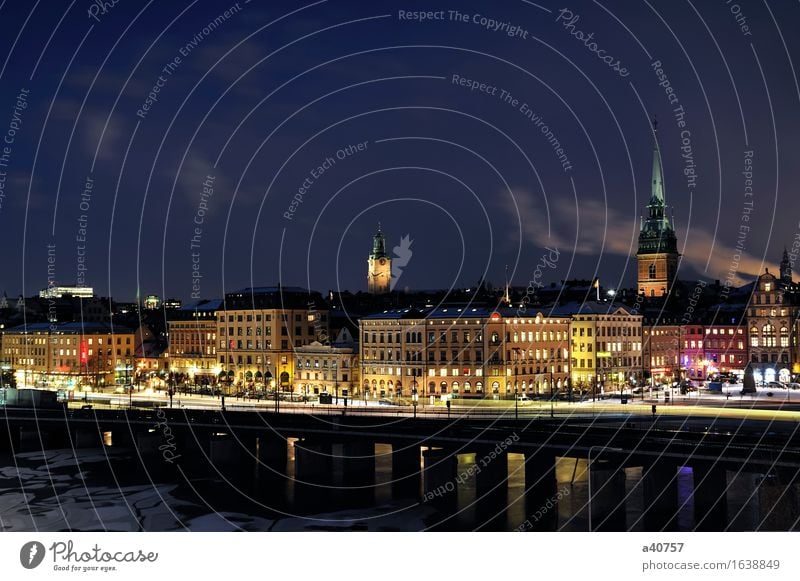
(768, 332)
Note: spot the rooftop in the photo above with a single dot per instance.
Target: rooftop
(87, 328)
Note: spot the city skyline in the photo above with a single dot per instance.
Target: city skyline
(399, 267)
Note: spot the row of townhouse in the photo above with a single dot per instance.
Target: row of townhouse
(260, 339)
(264, 338)
(279, 337)
(694, 351)
(762, 335)
(474, 352)
(70, 355)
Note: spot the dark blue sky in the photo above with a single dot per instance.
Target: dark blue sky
(261, 98)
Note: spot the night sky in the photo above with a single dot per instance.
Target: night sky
(251, 102)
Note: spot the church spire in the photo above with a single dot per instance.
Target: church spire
(507, 294)
(657, 186)
(379, 266)
(658, 247)
(786, 268)
(378, 244)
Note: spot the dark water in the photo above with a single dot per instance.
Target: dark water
(107, 489)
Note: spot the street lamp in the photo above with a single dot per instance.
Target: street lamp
(516, 402)
(589, 470)
(414, 398)
(267, 383)
(516, 387)
(336, 381)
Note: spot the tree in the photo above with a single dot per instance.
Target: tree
(7, 379)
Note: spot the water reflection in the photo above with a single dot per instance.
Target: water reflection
(107, 489)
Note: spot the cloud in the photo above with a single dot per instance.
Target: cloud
(194, 171)
(111, 134)
(16, 190)
(591, 228)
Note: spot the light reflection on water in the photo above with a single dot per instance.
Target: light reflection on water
(97, 490)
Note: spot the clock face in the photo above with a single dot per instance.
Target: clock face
(382, 261)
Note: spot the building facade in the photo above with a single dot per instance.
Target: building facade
(606, 348)
(56, 292)
(258, 330)
(661, 351)
(726, 349)
(463, 352)
(772, 332)
(537, 354)
(331, 369)
(70, 355)
(693, 356)
(393, 355)
(192, 351)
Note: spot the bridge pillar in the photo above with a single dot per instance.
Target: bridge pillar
(439, 479)
(188, 447)
(660, 491)
(541, 494)
(146, 455)
(147, 444)
(313, 461)
(406, 471)
(354, 470)
(271, 482)
(57, 438)
(29, 440)
(313, 475)
(272, 453)
(224, 451)
(710, 496)
(5, 441)
(491, 488)
(121, 437)
(9, 439)
(86, 438)
(779, 508)
(235, 457)
(607, 497)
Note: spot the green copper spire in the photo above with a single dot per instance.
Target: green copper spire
(378, 244)
(657, 233)
(657, 187)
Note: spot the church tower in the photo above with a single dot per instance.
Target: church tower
(657, 256)
(786, 268)
(379, 272)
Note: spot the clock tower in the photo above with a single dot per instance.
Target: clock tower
(379, 266)
(657, 256)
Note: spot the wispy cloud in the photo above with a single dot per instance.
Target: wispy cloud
(589, 227)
